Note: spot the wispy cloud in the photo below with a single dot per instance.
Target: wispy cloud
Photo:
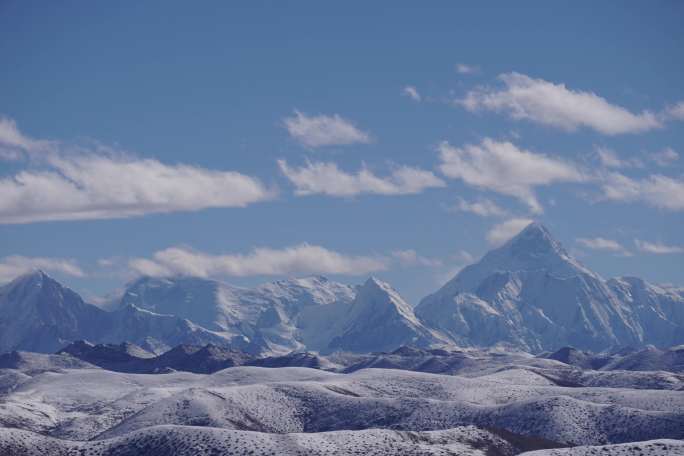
(15, 265)
(323, 130)
(326, 178)
(657, 248)
(482, 207)
(411, 92)
(464, 68)
(506, 169)
(676, 111)
(665, 157)
(599, 243)
(14, 145)
(502, 232)
(103, 184)
(656, 190)
(544, 102)
(298, 259)
(610, 159)
(411, 258)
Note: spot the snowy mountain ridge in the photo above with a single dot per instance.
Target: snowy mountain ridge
(528, 294)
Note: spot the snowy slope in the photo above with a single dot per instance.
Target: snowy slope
(186, 440)
(275, 317)
(39, 314)
(663, 447)
(380, 320)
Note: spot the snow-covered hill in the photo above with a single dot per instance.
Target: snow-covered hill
(82, 404)
(199, 441)
(662, 447)
(647, 359)
(475, 402)
(531, 294)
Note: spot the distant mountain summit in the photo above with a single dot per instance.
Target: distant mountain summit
(38, 314)
(531, 294)
(380, 320)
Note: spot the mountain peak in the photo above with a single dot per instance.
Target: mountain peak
(534, 248)
(33, 281)
(375, 294)
(535, 239)
(376, 283)
(36, 275)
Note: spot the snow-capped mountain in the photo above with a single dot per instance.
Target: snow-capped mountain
(531, 294)
(380, 320)
(275, 317)
(39, 314)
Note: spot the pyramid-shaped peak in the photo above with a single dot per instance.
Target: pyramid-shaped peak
(535, 239)
(34, 279)
(537, 228)
(33, 275)
(536, 231)
(375, 283)
(375, 294)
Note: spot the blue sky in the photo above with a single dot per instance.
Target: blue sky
(250, 141)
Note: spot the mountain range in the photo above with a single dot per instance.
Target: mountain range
(528, 294)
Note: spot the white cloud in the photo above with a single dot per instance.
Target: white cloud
(96, 182)
(504, 168)
(599, 243)
(13, 144)
(461, 259)
(411, 258)
(463, 68)
(665, 156)
(502, 232)
(10, 136)
(15, 265)
(481, 207)
(555, 105)
(322, 130)
(463, 256)
(657, 248)
(676, 112)
(610, 159)
(656, 190)
(100, 187)
(327, 178)
(299, 259)
(411, 92)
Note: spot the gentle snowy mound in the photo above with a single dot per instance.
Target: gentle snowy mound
(197, 441)
(662, 447)
(293, 400)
